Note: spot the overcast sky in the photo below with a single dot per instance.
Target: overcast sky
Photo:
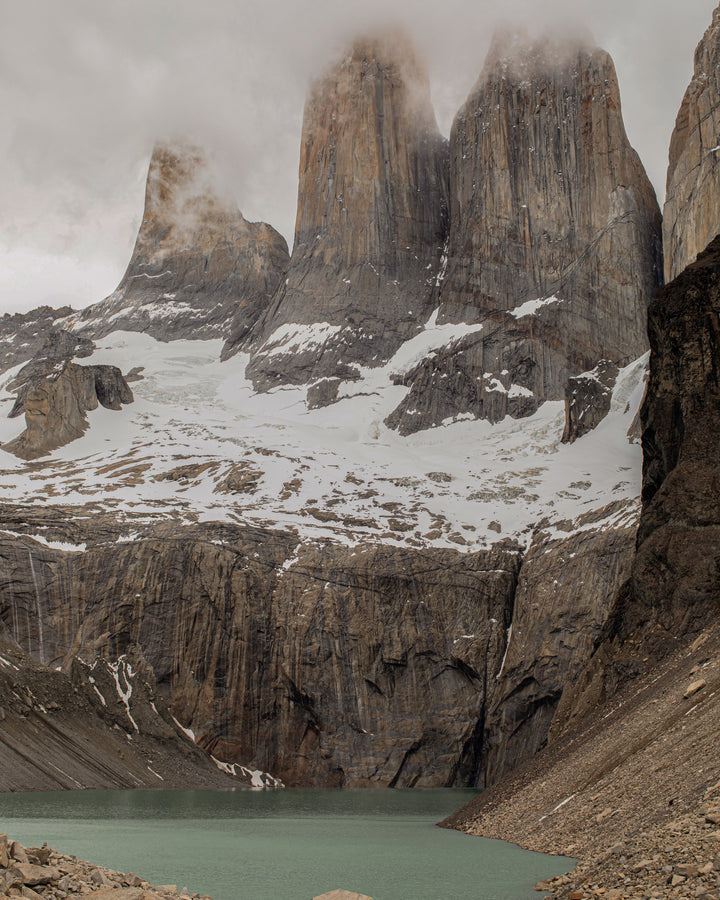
(86, 86)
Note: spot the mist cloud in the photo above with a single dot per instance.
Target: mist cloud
(86, 88)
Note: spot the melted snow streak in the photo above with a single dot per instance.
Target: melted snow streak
(198, 444)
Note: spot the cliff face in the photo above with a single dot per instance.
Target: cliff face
(199, 269)
(554, 244)
(566, 592)
(691, 217)
(676, 573)
(322, 664)
(371, 220)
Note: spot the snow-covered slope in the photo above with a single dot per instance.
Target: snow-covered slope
(199, 444)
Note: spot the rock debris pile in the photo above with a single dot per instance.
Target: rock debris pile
(42, 872)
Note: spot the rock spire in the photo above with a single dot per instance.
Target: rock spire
(554, 245)
(197, 262)
(371, 219)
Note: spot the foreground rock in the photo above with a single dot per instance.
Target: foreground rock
(555, 247)
(675, 575)
(199, 269)
(691, 216)
(371, 223)
(35, 872)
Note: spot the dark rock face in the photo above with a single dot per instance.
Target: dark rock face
(321, 664)
(199, 269)
(677, 570)
(489, 374)
(566, 593)
(323, 393)
(554, 239)
(55, 396)
(587, 400)
(371, 222)
(692, 202)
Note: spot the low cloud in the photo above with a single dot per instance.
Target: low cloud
(86, 88)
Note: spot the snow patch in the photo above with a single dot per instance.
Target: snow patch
(530, 307)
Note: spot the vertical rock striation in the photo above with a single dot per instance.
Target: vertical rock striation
(320, 663)
(554, 242)
(371, 220)
(199, 269)
(692, 199)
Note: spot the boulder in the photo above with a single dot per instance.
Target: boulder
(56, 397)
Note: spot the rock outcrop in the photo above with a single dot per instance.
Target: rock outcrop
(587, 400)
(691, 217)
(42, 872)
(25, 335)
(55, 396)
(554, 246)
(676, 573)
(199, 269)
(371, 220)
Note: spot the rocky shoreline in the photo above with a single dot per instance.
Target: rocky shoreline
(632, 790)
(42, 872)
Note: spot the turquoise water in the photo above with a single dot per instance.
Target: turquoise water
(282, 845)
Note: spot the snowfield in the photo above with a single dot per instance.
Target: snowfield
(198, 444)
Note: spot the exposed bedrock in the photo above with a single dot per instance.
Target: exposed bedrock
(677, 570)
(319, 663)
(55, 395)
(566, 592)
(198, 269)
(692, 199)
(555, 237)
(371, 220)
(26, 335)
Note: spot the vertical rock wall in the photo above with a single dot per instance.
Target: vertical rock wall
(691, 217)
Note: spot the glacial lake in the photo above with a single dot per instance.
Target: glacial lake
(282, 845)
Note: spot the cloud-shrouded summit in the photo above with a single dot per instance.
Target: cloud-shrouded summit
(87, 89)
